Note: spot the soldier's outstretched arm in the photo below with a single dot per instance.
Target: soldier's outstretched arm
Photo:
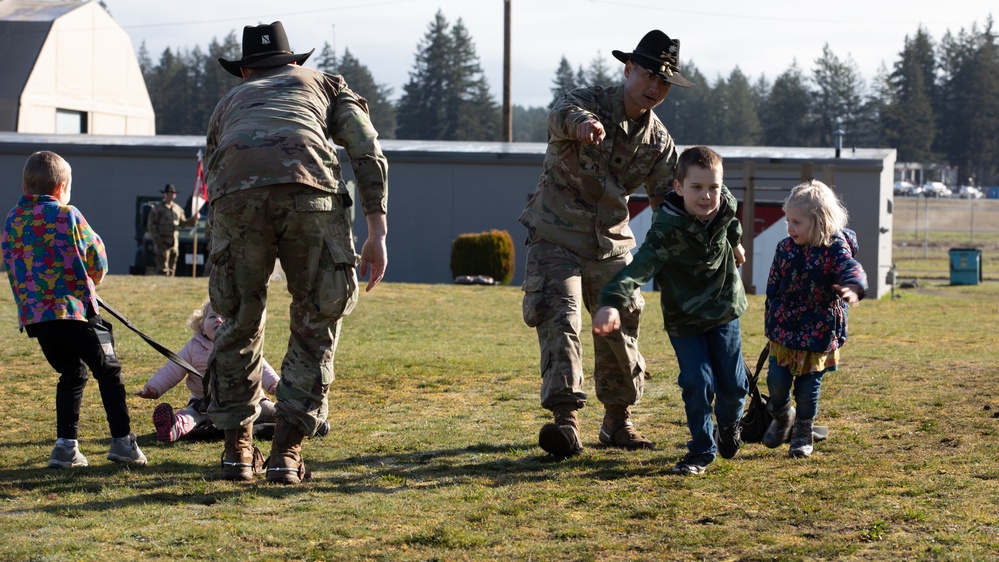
(374, 255)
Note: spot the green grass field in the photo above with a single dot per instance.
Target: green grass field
(433, 451)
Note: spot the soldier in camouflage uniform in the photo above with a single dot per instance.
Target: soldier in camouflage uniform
(165, 218)
(604, 144)
(693, 250)
(276, 190)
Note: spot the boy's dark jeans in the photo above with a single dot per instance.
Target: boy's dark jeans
(71, 346)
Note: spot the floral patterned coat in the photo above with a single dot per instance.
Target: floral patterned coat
(802, 310)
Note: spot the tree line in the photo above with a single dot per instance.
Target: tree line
(938, 103)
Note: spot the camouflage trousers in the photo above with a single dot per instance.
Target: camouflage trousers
(166, 256)
(310, 231)
(557, 285)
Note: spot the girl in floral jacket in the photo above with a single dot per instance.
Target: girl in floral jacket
(813, 281)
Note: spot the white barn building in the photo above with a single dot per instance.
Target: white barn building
(68, 67)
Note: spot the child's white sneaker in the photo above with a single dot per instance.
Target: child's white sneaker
(126, 450)
(67, 455)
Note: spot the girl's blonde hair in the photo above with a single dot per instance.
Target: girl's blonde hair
(820, 202)
(194, 321)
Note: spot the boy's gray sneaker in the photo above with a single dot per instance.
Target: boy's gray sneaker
(66, 456)
(126, 450)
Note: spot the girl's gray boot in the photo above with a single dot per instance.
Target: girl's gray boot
(780, 428)
(801, 439)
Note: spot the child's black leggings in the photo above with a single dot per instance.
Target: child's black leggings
(71, 346)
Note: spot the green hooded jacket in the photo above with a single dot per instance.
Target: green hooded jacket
(693, 263)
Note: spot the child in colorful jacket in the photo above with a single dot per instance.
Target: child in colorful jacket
(813, 281)
(54, 262)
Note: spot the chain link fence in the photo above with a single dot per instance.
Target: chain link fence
(927, 228)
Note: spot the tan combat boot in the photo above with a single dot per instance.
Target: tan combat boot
(618, 431)
(241, 460)
(285, 465)
(561, 439)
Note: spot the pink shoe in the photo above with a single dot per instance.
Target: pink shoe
(170, 427)
(163, 422)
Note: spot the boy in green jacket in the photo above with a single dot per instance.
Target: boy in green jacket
(693, 252)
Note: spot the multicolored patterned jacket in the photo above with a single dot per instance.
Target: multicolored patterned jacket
(699, 283)
(802, 310)
(54, 260)
(275, 128)
(581, 202)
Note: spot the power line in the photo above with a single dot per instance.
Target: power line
(282, 15)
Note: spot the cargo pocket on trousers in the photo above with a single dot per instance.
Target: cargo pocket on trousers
(336, 291)
(105, 335)
(221, 281)
(536, 304)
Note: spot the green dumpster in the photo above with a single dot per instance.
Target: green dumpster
(965, 266)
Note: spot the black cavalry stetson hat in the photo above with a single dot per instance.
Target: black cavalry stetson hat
(658, 54)
(169, 189)
(264, 46)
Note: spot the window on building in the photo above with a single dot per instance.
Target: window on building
(70, 122)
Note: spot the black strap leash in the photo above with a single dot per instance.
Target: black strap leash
(166, 351)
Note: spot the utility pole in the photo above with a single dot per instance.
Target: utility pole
(507, 107)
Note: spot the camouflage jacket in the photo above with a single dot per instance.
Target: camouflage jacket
(275, 128)
(164, 220)
(700, 287)
(581, 201)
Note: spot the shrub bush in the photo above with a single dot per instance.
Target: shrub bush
(484, 253)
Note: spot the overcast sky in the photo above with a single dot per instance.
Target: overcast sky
(761, 38)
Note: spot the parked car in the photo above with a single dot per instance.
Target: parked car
(906, 188)
(969, 192)
(936, 189)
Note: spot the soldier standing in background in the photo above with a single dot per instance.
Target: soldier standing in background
(275, 187)
(165, 218)
(604, 144)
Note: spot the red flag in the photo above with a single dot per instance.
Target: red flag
(200, 189)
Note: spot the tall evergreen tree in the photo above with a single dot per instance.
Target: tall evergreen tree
(881, 95)
(975, 107)
(738, 121)
(760, 91)
(838, 95)
(447, 96)
(909, 120)
(712, 122)
(564, 82)
(421, 107)
(530, 124)
(216, 81)
(171, 93)
(360, 80)
(326, 61)
(145, 62)
(786, 114)
(474, 114)
(684, 109)
(598, 74)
